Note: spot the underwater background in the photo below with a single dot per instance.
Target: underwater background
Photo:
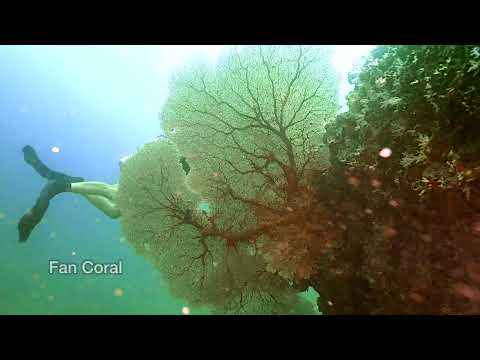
(96, 104)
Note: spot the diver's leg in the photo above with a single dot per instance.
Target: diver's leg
(104, 204)
(95, 188)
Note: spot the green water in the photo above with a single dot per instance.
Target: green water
(28, 288)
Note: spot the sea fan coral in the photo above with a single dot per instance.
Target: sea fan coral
(302, 235)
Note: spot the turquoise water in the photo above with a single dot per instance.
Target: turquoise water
(96, 104)
(72, 98)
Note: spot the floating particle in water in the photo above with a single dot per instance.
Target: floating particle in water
(473, 271)
(289, 209)
(376, 183)
(445, 310)
(122, 239)
(43, 285)
(353, 180)
(394, 203)
(118, 292)
(53, 234)
(74, 253)
(35, 276)
(215, 174)
(418, 298)
(97, 220)
(426, 237)
(215, 264)
(50, 298)
(466, 291)
(368, 211)
(389, 232)
(2, 215)
(385, 153)
(330, 303)
(55, 149)
(476, 227)
(186, 310)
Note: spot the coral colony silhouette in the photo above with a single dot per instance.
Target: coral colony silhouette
(376, 208)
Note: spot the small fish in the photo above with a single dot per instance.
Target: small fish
(188, 215)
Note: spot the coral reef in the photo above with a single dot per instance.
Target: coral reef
(377, 209)
(247, 134)
(412, 244)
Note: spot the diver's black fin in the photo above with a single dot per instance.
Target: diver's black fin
(31, 219)
(33, 216)
(53, 188)
(33, 160)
